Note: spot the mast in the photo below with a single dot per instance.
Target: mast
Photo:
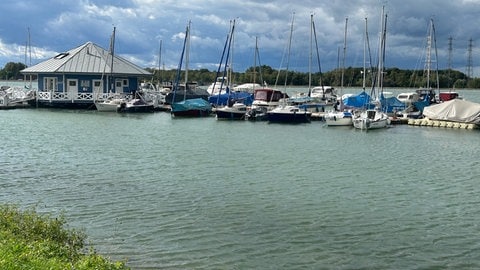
(384, 39)
(318, 56)
(431, 44)
(111, 53)
(187, 58)
(159, 62)
(288, 52)
(434, 39)
(28, 53)
(428, 63)
(255, 60)
(344, 55)
(365, 55)
(179, 68)
(310, 57)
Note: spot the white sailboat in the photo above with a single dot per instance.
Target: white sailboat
(339, 117)
(375, 118)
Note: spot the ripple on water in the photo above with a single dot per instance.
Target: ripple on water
(201, 193)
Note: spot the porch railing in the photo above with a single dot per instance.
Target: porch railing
(61, 96)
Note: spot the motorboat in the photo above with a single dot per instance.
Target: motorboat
(268, 97)
(110, 104)
(326, 93)
(236, 111)
(408, 98)
(289, 114)
(135, 105)
(219, 86)
(338, 118)
(14, 97)
(257, 113)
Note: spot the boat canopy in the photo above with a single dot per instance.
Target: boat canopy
(357, 101)
(223, 99)
(456, 110)
(392, 104)
(191, 104)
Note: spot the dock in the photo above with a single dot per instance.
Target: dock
(441, 124)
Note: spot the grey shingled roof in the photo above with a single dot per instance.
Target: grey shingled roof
(86, 59)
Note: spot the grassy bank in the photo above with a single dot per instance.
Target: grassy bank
(29, 240)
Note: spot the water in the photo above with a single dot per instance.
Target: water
(167, 193)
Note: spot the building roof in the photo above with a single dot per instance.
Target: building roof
(86, 59)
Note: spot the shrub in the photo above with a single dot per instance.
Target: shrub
(29, 240)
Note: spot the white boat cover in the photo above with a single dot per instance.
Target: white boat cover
(455, 110)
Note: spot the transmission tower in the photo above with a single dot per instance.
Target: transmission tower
(470, 60)
(450, 51)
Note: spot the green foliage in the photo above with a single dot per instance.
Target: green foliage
(11, 71)
(29, 240)
(353, 77)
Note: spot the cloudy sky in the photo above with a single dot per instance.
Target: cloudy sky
(141, 25)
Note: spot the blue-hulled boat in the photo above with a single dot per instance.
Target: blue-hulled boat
(289, 114)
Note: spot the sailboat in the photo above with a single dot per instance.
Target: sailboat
(375, 118)
(285, 113)
(194, 107)
(416, 101)
(340, 117)
(231, 105)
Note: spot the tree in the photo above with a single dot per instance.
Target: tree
(11, 71)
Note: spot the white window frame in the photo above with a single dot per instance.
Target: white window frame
(50, 84)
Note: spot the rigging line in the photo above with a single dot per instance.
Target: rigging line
(318, 56)
(177, 76)
(187, 60)
(259, 62)
(289, 49)
(310, 57)
(436, 55)
(229, 41)
(283, 55)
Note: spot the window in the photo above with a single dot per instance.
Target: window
(84, 83)
(125, 83)
(61, 55)
(50, 84)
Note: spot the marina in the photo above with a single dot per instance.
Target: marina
(179, 193)
(253, 135)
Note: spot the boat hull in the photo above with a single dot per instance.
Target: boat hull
(301, 117)
(338, 119)
(107, 106)
(136, 109)
(229, 115)
(367, 124)
(191, 113)
(371, 119)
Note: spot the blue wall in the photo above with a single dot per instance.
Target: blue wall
(88, 88)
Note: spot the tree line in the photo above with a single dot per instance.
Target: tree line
(352, 77)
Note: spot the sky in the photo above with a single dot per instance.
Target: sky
(149, 32)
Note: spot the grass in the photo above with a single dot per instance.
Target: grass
(29, 240)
